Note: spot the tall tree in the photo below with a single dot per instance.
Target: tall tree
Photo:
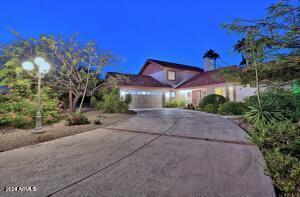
(270, 45)
(211, 54)
(77, 68)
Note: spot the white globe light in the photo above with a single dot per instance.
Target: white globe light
(45, 67)
(28, 66)
(39, 61)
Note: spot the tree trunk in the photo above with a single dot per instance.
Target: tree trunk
(85, 88)
(75, 101)
(257, 86)
(70, 101)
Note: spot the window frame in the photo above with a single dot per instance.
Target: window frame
(174, 75)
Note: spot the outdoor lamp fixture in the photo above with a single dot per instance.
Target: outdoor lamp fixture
(43, 67)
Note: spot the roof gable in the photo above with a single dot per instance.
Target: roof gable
(206, 78)
(170, 65)
(136, 80)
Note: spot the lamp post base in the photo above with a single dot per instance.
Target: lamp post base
(37, 131)
(38, 124)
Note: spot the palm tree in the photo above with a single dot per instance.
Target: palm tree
(239, 48)
(211, 54)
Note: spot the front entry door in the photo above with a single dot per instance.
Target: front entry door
(196, 96)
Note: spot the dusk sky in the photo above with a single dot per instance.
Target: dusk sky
(177, 31)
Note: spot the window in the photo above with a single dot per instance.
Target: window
(171, 75)
(220, 91)
(173, 95)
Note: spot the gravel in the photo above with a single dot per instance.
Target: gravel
(12, 138)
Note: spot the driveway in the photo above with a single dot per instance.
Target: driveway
(159, 152)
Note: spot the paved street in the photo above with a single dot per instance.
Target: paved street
(162, 152)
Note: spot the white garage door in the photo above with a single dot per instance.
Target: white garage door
(146, 101)
(144, 98)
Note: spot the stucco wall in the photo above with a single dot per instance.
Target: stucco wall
(242, 92)
(181, 75)
(185, 95)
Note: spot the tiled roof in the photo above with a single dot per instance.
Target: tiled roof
(172, 65)
(205, 78)
(136, 80)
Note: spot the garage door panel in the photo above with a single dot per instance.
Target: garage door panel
(146, 101)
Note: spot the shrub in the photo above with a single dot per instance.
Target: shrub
(128, 99)
(200, 107)
(77, 119)
(21, 121)
(280, 145)
(93, 101)
(19, 111)
(285, 172)
(97, 121)
(112, 103)
(210, 108)
(232, 108)
(278, 99)
(283, 136)
(213, 99)
(261, 116)
(175, 103)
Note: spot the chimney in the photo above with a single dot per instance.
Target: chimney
(209, 64)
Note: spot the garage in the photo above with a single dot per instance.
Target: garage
(145, 99)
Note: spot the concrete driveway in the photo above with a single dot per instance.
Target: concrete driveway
(160, 152)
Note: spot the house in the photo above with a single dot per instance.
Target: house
(159, 82)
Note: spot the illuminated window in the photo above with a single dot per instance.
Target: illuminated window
(171, 75)
(220, 91)
(173, 94)
(122, 93)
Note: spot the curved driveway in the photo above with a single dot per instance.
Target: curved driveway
(159, 152)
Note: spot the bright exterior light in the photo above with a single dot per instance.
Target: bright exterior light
(28, 66)
(39, 61)
(44, 68)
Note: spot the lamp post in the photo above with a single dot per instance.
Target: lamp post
(43, 67)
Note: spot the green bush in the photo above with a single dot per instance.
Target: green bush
(278, 99)
(280, 145)
(285, 172)
(77, 119)
(97, 121)
(261, 116)
(213, 99)
(210, 108)
(93, 101)
(112, 103)
(174, 103)
(21, 121)
(128, 99)
(232, 108)
(284, 136)
(200, 107)
(20, 112)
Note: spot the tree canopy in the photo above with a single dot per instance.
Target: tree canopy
(270, 44)
(75, 67)
(211, 54)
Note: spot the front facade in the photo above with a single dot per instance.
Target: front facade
(159, 82)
